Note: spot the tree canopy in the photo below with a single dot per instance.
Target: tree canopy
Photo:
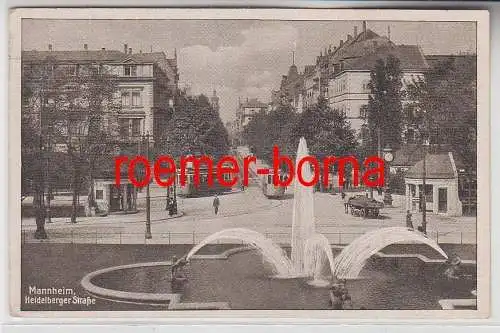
(444, 105)
(195, 128)
(384, 109)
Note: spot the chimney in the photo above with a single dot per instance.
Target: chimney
(50, 47)
(355, 31)
(125, 47)
(129, 50)
(364, 27)
(389, 32)
(103, 49)
(85, 47)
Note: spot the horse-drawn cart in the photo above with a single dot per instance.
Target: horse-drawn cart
(362, 206)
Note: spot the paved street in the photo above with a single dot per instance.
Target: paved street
(243, 209)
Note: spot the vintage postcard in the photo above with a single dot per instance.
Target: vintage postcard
(252, 164)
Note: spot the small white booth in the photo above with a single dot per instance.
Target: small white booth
(111, 198)
(441, 189)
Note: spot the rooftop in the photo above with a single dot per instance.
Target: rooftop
(409, 154)
(438, 166)
(83, 56)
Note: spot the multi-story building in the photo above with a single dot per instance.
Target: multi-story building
(244, 114)
(312, 85)
(342, 73)
(146, 84)
(352, 62)
(140, 103)
(291, 88)
(247, 110)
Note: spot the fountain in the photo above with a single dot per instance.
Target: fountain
(349, 263)
(308, 248)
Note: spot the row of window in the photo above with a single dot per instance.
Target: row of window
(129, 127)
(75, 69)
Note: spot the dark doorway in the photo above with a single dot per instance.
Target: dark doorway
(443, 200)
(114, 198)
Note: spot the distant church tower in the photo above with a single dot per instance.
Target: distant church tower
(214, 100)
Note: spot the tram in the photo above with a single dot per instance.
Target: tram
(190, 189)
(268, 187)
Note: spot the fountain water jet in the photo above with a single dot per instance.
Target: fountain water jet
(303, 226)
(271, 252)
(349, 263)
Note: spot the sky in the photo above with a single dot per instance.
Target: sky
(237, 58)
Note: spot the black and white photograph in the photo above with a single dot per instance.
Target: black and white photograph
(320, 161)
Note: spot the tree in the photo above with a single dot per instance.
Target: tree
(327, 131)
(267, 130)
(384, 109)
(444, 105)
(77, 111)
(195, 128)
(254, 133)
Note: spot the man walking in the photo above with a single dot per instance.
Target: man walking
(345, 199)
(216, 204)
(409, 223)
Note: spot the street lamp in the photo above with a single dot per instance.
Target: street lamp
(425, 143)
(148, 198)
(424, 199)
(174, 201)
(388, 157)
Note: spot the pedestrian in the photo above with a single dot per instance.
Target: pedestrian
(409, 223)
(216, 204)
(346, 203)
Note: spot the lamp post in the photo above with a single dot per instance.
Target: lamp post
(148, 198)
(425, 143)
(47, 181)
(388, 158)
(424, 199)
(171, 104)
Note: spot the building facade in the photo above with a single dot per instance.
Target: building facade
(341, 74)
(60, 90)
(147, 84)
(247, 110)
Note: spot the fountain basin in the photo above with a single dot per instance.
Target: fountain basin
(240, 279)
(152, 298)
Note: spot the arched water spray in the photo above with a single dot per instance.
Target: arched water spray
(303, 211)
(317, 249)
(349, 263)
(271, 252)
